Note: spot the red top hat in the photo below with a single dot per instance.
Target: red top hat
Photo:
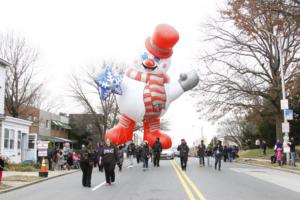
(162, 41)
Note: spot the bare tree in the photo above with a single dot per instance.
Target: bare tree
(86, 92)
(21, 92)
(232, 129)
(243, 69)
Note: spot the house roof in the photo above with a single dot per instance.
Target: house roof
(54, 139)
(61, 124)
(4, 62)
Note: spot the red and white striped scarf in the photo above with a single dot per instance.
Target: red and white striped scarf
(154, 93)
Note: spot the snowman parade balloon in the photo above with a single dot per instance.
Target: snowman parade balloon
(147, 91)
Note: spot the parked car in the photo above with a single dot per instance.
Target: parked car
(176, 152)
(167, 154)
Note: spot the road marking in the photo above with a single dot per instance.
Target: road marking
(98, 186)
(185, 186)
(190, 182)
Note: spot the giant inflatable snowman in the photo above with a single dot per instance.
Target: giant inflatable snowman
(147, 90)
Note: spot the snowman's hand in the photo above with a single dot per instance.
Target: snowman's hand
(188, 80)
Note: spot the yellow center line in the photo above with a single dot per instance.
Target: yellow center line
(190, 182)
(185, 186)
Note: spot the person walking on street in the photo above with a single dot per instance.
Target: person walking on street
(2, 165)
(138, 153)
(208, 154)
(99, 158)
(201, 153)
(184, 153)
(120, 157)
(109, 158)
(131, 152)
(87, 161)
(264, 148)
(229, 153)
(218, 152)
(145, 154)
(293, 151)
(225, 153)
(157, 148)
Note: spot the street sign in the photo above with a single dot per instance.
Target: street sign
(288, 114)
(285, 127)
(42, 152)
(42, 148)
(284, 104)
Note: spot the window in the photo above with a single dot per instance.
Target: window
(12, 139)
(19, 139)
(29, 118)
(6, 138)
(31, 141)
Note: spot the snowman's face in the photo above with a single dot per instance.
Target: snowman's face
(161, 65)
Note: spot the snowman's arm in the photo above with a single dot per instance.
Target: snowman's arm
(186, 82)
(174, 90)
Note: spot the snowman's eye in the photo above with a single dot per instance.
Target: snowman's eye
(156, 59)
(145, 56)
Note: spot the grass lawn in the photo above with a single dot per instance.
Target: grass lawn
(257, 153)
(21, 178)
(4, 186)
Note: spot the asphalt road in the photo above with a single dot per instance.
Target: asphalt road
(168, 182)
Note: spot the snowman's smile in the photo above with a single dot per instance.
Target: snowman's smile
(149, 68)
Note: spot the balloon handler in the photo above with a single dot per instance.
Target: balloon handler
(145, 91)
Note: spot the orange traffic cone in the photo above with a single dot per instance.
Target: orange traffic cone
(43, 171)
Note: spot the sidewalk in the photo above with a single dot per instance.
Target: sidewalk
(33, 178)
(266, 163)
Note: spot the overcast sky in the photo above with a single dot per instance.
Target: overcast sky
(72, 34)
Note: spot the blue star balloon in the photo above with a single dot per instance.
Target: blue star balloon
(109, 83)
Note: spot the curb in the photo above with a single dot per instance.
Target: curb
(270, 167)
(35, 182)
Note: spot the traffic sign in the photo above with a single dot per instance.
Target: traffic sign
(284, 104)
(288, 114)
(285, 127)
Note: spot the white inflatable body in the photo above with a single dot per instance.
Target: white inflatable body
(131, 102)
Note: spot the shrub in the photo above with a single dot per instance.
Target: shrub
(21, 167)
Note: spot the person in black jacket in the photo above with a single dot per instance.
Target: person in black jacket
(156, 149)
(87, 161)
(109, 156)
(120, 157)
(138, 153)
(292, 146)
(184, 153)
(201, 153)
(131, 152)
(145, 154)
(1, 168)
(218, 152)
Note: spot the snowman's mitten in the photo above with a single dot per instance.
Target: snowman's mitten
(188, 80)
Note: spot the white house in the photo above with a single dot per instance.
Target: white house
(14, 133)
